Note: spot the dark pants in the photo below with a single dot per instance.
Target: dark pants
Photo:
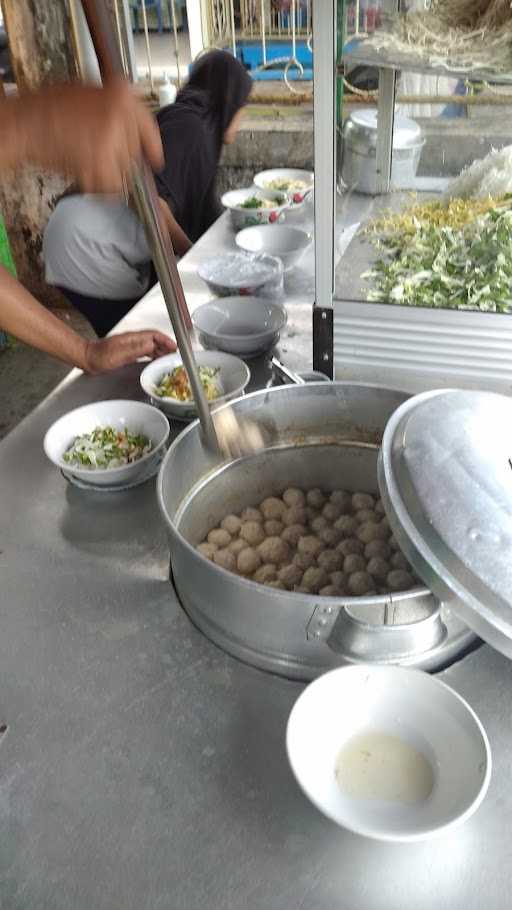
(102, 314)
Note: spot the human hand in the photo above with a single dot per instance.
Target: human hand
(92, 134)
(119, 350)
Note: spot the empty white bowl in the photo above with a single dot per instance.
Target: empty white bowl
(243, 217)
(232, 378)
(285, 175)
(243, 274)
(239, 325)
(410, 705)
(135, 416)
(287, 243)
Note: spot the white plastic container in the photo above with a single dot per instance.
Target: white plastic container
(167, 92)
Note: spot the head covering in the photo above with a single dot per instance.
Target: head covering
(192, 131)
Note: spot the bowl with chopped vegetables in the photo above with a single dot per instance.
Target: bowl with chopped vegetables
(255, 206)
(166, 383)
(295, 183)
(108, 443)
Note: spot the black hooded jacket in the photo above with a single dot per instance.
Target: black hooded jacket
(192, 131)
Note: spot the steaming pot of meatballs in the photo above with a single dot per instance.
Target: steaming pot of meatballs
(334, 544)
(263, 544)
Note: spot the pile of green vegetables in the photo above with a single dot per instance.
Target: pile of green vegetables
(466, 267)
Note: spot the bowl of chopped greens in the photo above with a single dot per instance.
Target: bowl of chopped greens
(107, 443)
(166, 383)
(255, 206)
(295, 183)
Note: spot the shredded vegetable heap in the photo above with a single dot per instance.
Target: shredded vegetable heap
(176, 384)
(457, 255)
(106, 447)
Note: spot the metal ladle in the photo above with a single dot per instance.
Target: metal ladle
(222, 433)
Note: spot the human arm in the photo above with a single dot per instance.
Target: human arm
(180, 242)
(91, 134)
(22, 316)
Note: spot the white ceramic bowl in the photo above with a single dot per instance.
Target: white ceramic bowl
(411, 705)
(242, 217)
(287, 243)
(297, 197)
(239, 325)
(242, 274)
(135, 416)
(232, 378)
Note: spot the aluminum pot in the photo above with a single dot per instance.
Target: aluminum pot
(357, 151)
(319, 434)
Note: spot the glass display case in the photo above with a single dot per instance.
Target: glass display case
(413, 193)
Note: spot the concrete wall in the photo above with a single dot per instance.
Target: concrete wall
(450, 146)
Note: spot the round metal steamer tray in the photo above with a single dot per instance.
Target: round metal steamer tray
(319, 435)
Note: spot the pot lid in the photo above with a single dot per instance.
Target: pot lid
(445, 476)
(406, 132)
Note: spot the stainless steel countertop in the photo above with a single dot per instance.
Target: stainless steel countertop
(144, 768)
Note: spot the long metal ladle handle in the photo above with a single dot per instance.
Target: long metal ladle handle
(146, 200)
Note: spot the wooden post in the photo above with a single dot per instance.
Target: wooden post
(42, 52)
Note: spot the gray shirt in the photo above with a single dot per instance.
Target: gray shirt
(96, 246)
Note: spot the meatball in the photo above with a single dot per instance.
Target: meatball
(300, 589)
(231, 524)
(248, 561)
(225, 559)
(314, 579)
(341, 499)
(294, 497)
(362, 501)
(360, 583)
(304, 561)
(293, 534)
(330, 591)
(377, 548)
(366, 515)
(398, 561)
(236, 546)
(330, 560)
(370, 531)
(346, 524)
(379, 507)
(207, 549)
(393, 543)
(331, 511)
(339, 580)
(378, 568)
(277, 584)
(265, 574)
(252, 532)
(295, 515)
(330, 536)
(274, 550)
(251, 514)
(315, 498)
(385, 524)
(219, 537)
(272, 507)
(319, 524)
(350, 546)
(310, 546)
(399, 580)
(273, 527)
(290, 575)
(354, 563)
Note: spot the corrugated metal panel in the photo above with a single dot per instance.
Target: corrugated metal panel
(420, 348)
